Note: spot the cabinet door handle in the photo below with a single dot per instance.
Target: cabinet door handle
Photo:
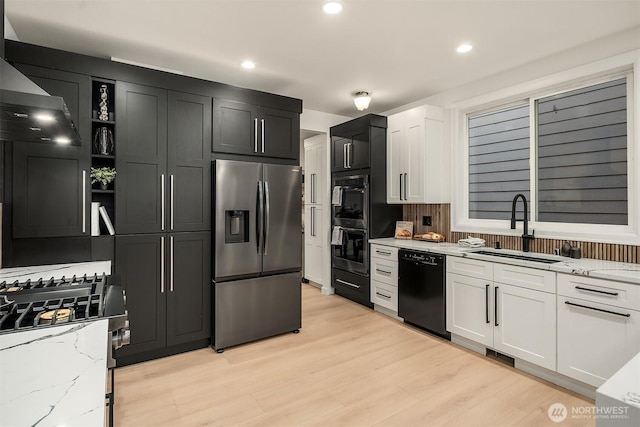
(615, 294)
(378, 251)
(349, 155)
(312, 222)
(597, 309)
(84, 201)
(162, 201)
(171, 178)
(486, 301)
(405, 186)
(162, 264)
(383, 295)
(262, 130)
(171, 263)
(255, 135)
(383, 271)
(495, 306)
(400, 186)
(348, 284)
(344, 156)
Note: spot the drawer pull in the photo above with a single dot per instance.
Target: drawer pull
(383, 295)
(348, 284)
(382, 252)
(383, 271)
(597, 309)
(615, 294)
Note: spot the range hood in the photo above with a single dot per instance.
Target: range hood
(28, 113)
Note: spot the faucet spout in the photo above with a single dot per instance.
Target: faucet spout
(525, 235)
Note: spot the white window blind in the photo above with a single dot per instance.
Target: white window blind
(582, 155)
(498, 161)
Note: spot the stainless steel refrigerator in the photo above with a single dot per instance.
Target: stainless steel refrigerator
(257, 254)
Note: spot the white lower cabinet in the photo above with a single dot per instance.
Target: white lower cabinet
(513, 320)
(384, 276)
(598, 327)
(525, 324)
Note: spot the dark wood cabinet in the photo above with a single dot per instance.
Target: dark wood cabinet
(51, 187)
(140, 268)
(189, 168)
(163, 160)
(141, 158)
(189, 291)
(242, 128)
(355, 144)
(350, 151)
(167, 280)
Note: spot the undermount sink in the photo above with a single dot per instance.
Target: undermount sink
(517, 256)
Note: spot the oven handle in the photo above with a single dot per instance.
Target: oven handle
(362, 230)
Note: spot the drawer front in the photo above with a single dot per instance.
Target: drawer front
(594, 344)
(384, 252)
(470, 267)
(619, 294)
(352, 286)
(530, 278)
(384, 271)
(384, 295)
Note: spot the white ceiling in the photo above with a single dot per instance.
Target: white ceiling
(400, 51)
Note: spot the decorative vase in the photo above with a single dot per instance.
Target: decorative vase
(103, 141)
(104, 186)
(103, 113)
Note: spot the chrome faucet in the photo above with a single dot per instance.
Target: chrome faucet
(525, 235)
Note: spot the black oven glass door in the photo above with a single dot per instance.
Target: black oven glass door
(352, 211)
(353, 254)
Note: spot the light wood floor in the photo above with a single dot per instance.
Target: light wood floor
(348, 366)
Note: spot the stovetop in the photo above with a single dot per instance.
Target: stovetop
(42, 303)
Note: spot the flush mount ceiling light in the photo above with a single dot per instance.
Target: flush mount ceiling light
(62, 140)
(332, 7)
(362, 100)
(248, 65)
(464, 48)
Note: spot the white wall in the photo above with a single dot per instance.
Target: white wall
(318, 121)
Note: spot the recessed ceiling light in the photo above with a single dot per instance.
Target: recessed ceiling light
(463, 48)
(332, 7)
(249, 65)
(62, 140)
(44, 117)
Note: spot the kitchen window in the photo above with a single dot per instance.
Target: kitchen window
(569, 148)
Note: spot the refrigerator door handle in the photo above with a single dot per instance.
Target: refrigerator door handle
(259, 218)
(266, 217)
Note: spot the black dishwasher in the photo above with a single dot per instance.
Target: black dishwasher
(421, 290)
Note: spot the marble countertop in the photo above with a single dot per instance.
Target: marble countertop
(619, 271)
(56, 271)
(622, 390)
(68, 389)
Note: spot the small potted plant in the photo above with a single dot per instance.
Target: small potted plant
(103, 175)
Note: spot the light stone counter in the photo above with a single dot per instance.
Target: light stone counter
(56, 271)
(618, 271)
(54, 376)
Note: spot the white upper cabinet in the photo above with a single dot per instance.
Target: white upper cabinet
(314, 170)
(417, 160)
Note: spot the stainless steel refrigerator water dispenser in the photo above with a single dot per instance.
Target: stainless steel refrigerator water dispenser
(236, 228)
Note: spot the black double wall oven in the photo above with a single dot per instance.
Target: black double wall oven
(350, 207)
